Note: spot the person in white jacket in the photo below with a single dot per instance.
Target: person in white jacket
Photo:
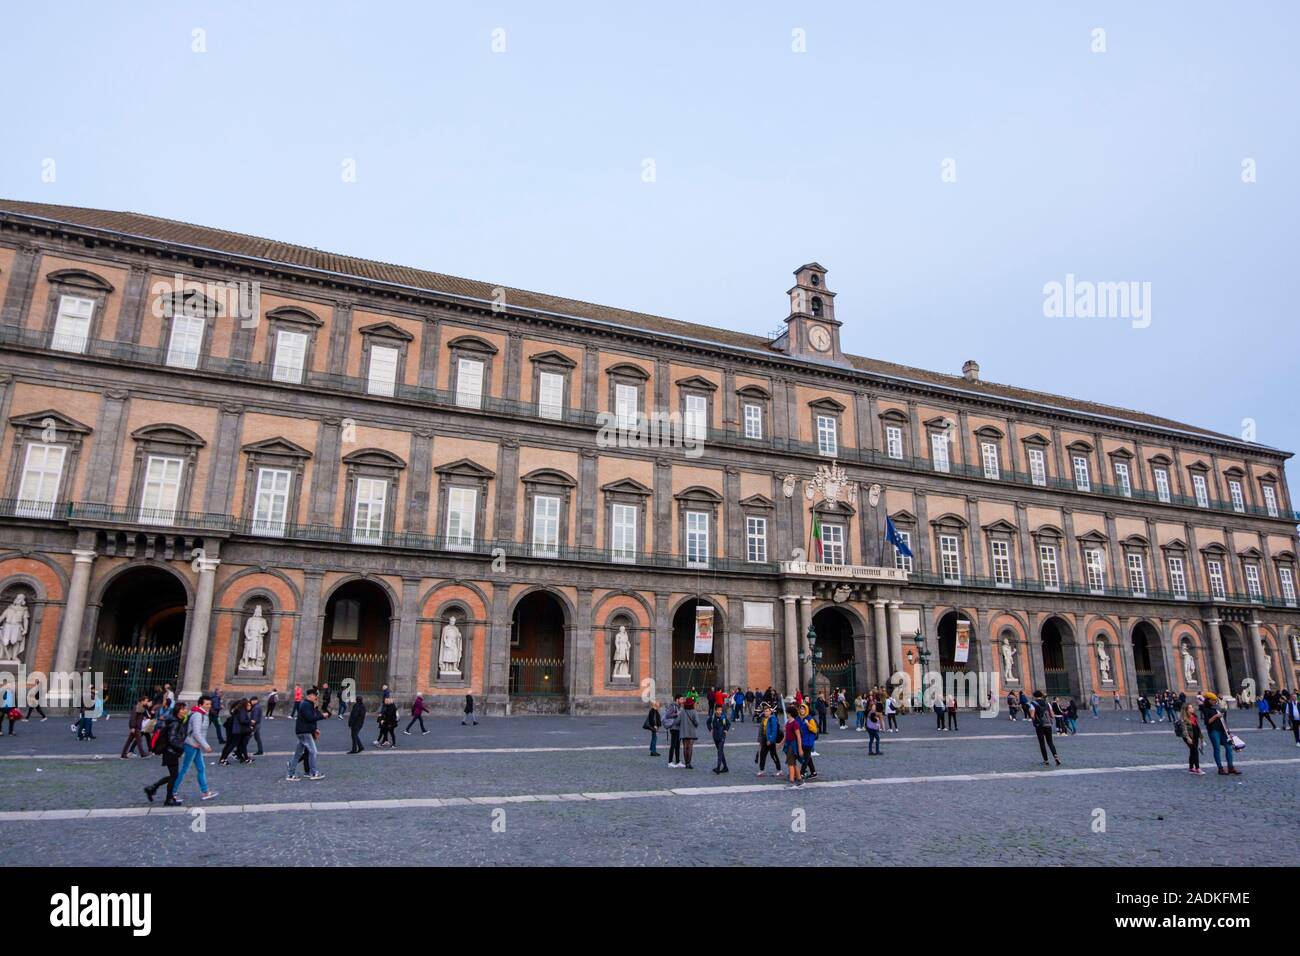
(196, 745)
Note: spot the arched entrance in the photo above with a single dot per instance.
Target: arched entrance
(138, 634)
(692, 671)
(837, 665)
(1148, 659)
(355, 639)
(537, 653)
(948, 650)
(1234, 655)
(1060, 676)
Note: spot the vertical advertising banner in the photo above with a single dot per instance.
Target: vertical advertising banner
(961, 652)
(704, 629)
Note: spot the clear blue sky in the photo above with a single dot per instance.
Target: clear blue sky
(525, 167)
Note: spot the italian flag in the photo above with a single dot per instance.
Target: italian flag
(817, 538)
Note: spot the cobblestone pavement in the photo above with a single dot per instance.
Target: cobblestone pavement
(556, 790)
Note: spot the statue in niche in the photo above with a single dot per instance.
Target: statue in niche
(1189, 665)
(1103, 663)
(451, 649)
(14, 623)
(254, 655)
(1008, 662)
(622, 654)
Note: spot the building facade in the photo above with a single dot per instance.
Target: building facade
(239, 462)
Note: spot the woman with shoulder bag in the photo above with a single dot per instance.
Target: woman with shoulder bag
(652, 723)
(689, 728)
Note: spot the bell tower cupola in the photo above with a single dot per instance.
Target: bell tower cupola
(812, 331)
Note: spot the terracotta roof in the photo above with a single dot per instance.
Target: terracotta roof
(239, 244)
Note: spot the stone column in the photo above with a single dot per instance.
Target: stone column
(882, 643)
(196, 652)
(405, 652)
(1262, 675)
(661, 655)
(791, 645)
(1217, 657)
(895, 640)
(74, 614)
(307, 637)
(497, 683)
(805, 621)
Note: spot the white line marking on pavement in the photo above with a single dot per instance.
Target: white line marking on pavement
(109, 813)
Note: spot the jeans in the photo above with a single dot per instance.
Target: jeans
(860, 718)
(356, 740)
(221, 734)
(722, 755)
(1094, 711)
(1217, 738)
(257, 736)
(654, 742)
(193, 755)
(674, 746)
(307, 745)
(1073, 724)
(1266, 716)
(420, 719)
(873, 746)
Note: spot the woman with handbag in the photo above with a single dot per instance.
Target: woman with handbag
(689, 728)
(1192, 737)
(652, 724)
(1216, 728)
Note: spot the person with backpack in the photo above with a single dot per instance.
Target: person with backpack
(808, 728)
(672, 723)
(1044, 720)
(652, 723)
(689, 729)
(272, 699)
(891, 714)
(417, 715)
(1011, 705)
(1072, 717)
(196, 745)
(469, 711)
(769, 735)
(794, 755)
(135, 728)
(241, 728)
(308, 715)
(356, 719)
(1262, 707)
(1188, 727)
(168, 741)
(719, 725)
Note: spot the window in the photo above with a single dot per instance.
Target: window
(950, 559)
(461, 511)
(368, 512)
(833, 544)
(1162, 484)
(697, 538)
(42, 473)
(1051, 573)
(902, 561)
(756, 539)
(1201, 490)
(186, 341)
(990, 454)
(1081, 481)
(1252, 582)
(271, 503)
(382, 376)
(469, 383)
(623, 533)
(1177, 578)
(827, 438)
(72, 324)
(627, 400)
(290, 356)
(1137, 574)
(753, 420)
(1096, 568)
(550, 395)
(1001, 563)
(1037, 467)
(1238, 500)
(894, 441)
(697, 416)
(939, 451)
(1288, 585)
(162, 488)
(1270, 501)
(1214, 569)
(347, 621)
(1122, 479)
(546, 526)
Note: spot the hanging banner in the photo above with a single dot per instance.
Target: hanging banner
(961, 651)
(704, 629)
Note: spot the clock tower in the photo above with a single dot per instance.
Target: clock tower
(811, 329)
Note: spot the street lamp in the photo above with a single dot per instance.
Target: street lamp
(924, 656)
(814, 653)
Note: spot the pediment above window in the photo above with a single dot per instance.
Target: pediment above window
(1214, 550)
(1122, 453)
(697, 383)
(79, 279)
(296, 315)
(903, 517)
(893, 416)
(989, 432)
(1177, 544)
(698, 494)
(628, 370)
(387, 330)
(1048, 531)
(374, 458)
(472, 343)
(548, 476)
(754, 391)
(626, 486)
(39, 421)
(949, 520)
(465, 468)
(827, 405)
(190, 302)
(1136, 541)
(1080, 446)
(1252, 553)
(1199, 466)
(1092, 537)
(553, 357)
(1001, 526)
(1035, 439)
(167, 434)
(757, 502)
(1162, 460)
(277, 447)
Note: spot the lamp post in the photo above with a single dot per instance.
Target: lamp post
(814, 654)
(923, 655)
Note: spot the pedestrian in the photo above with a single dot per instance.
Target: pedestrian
(469, 711)
(671, 723)
(388, 724)
(952, 713)
(34, 702)
(240, 726)
(85, 725)
(1024, 704)
(1118, 705)
(356, 718)
(297, 700)
(842, 710)
(652, 723)
(1216, 728)
(939, 711)
(1188, 727)
(718, 726)
(196, 745)
(769, 735)
(417, 715)
(820, 707)
(326, 695)
(737, 706)
(135, 728)
(272, 699)
(1011, 705)
(1058, 712)
(1095, 702)
(9, 709)
(306, 716)
(793, 746)
(1044, 720)
(1292, 713)
(1144, 705)
(255, 723)
(689, 729)
(749, 706)
(1264, 714)
(891, 713)
(873, 728)
(808, 740)
(170, 733)
(1072, 716)
(216, 712)
(859, 714)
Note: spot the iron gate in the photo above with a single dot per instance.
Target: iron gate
(130, 672)
(367, 672)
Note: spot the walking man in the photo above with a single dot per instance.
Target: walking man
(355, 720)
(216, 712)
(171, 740)
(718, 724)
(255, 720)
(305, 728)
(1043, 722)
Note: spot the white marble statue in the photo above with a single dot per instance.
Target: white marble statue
(1268, 666)
(622, 654)
(1189, 665)
(13, 629)
(1008, 662)
(254, 656)
(451, 648)
(1103, 663)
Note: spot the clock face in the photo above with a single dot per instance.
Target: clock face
(820, 337)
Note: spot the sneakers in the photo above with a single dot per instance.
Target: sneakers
(292, 778)
(209, 795)
(150, 792)
(316, 776)
(423, 732)
(407, 732)
(173, 802)
(1198, 771)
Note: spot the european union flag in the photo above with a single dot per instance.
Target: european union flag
(896, 539)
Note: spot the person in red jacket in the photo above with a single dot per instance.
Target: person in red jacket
(417, 713)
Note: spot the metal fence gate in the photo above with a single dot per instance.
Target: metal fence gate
(366, 672)
(537, 677)
(831, 676)
(130, 672)
(689, 675)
